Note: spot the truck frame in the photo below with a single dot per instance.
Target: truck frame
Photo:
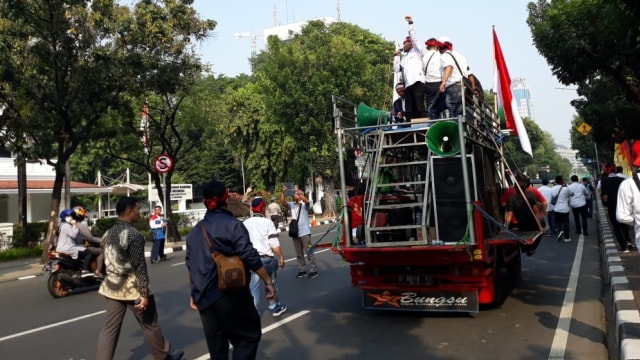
(432, 237)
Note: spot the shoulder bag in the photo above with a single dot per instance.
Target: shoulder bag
(231, 271)
(293, 225)
(554, 198)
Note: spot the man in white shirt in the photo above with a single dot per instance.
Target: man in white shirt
(579, 205)
(264, 238)
(433, 77)
(547, 192)
(628, 206)
(453, 67)
(562, 208)
(412, 67)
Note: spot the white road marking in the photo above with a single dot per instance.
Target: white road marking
(561, 336)
(267, 329)
(26, 277)
(176, 264)
(52, 325)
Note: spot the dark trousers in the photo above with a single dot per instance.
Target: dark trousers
(96, 253)
(148, 321)
(435, 100)
(551, 220)
(157, 249)
(580, 217)
(85, 256)
(414, 101)
(620, 231)
(562, 222)
(590, 208)
(233, 319)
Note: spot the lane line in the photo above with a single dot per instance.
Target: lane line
(26, 277)
(180, 263)
(561, 336)
(266, 329)
(52, 325)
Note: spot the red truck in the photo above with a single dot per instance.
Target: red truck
(432, 235)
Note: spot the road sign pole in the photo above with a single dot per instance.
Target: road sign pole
(164, 193)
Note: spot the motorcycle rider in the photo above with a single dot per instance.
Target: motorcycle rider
(72, 233)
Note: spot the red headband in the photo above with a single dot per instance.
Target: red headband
(258, 208)
(430, 43)
(215, 201)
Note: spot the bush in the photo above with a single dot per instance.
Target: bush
(34, 231)
(20, 253)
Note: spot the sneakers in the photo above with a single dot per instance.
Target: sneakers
(301, 274)
(628, 248)
(278, 310)
(313, 275)
(567, 240)
(560, 235)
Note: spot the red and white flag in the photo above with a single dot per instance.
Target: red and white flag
(144, 127)
(506, 101)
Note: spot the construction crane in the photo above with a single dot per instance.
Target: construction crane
(252, 36)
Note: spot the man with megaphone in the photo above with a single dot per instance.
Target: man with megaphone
(408, 60)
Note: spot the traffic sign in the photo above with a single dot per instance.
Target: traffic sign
(163, 163)
(584, 128)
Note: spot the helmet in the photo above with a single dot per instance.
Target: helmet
(64, 213)
(79, 213)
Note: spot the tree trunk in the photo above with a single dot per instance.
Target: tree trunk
(53, 215)
(330, 199)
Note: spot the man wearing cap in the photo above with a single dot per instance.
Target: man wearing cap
(230, 316)
(264, 238)
(433, 78)
(453, 67)
(274, 212)
(628, 206)
(412, 68)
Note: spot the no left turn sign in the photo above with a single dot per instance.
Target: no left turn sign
(163, 163)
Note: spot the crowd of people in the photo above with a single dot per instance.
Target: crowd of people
(431, 78)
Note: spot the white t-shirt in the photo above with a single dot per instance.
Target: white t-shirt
(432, 66)
(564, 196)
(579, 198)
(446, 59)
(628, 209)
(263, 234)
(547, 192)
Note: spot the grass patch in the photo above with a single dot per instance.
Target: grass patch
(20, 253)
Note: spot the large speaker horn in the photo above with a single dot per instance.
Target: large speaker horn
(368, 116)
(443, 138)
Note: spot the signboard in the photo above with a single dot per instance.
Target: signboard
(163, 163)
(584, 128)
(178, 192)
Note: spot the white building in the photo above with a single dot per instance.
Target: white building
(286, 32)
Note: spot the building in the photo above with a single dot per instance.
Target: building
(40, 178)
(523, 98)
(286, 32)
(576, 165)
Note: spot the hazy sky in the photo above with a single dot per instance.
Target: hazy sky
(467, 22)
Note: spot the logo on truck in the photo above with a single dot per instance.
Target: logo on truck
(412, 300)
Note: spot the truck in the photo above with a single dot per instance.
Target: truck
(432, 236)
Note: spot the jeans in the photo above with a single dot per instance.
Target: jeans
(453, 100)
(257, 287)
(233, 319)
(551, 220)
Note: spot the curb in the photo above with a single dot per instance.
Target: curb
(625, 309)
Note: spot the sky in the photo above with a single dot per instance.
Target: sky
(467, 22)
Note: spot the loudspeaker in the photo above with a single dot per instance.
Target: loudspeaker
(368, 116)
(451, 209)
(443, 138)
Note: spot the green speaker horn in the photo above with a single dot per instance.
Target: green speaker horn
(368, 116)
(443, 138)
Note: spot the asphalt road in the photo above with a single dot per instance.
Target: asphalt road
(554, 312)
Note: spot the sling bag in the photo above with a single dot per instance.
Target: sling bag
(231, 271)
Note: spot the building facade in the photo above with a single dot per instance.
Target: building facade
(523, 98)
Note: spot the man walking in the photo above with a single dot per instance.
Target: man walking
(609, 187)
(579, 205)
(628, 202)
(126, 286)
(264, 238)
(227, 316)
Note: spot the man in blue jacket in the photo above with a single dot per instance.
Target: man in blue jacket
(228, 316)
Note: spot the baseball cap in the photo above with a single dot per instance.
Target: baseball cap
(445, 39)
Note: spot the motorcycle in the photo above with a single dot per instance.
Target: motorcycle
(63, 275)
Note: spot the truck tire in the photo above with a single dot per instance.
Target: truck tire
(514, 267)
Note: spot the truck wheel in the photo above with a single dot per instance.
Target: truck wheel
(514, 267)
(56, 287)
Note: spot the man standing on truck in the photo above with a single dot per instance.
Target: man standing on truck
(408, 60)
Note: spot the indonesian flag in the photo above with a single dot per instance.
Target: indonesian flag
(506, 101)
(144, 127)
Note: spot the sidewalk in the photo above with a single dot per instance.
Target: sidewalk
(29, 268)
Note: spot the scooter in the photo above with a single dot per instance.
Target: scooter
(63, 275)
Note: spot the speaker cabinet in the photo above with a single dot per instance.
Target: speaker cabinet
(451, 210)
